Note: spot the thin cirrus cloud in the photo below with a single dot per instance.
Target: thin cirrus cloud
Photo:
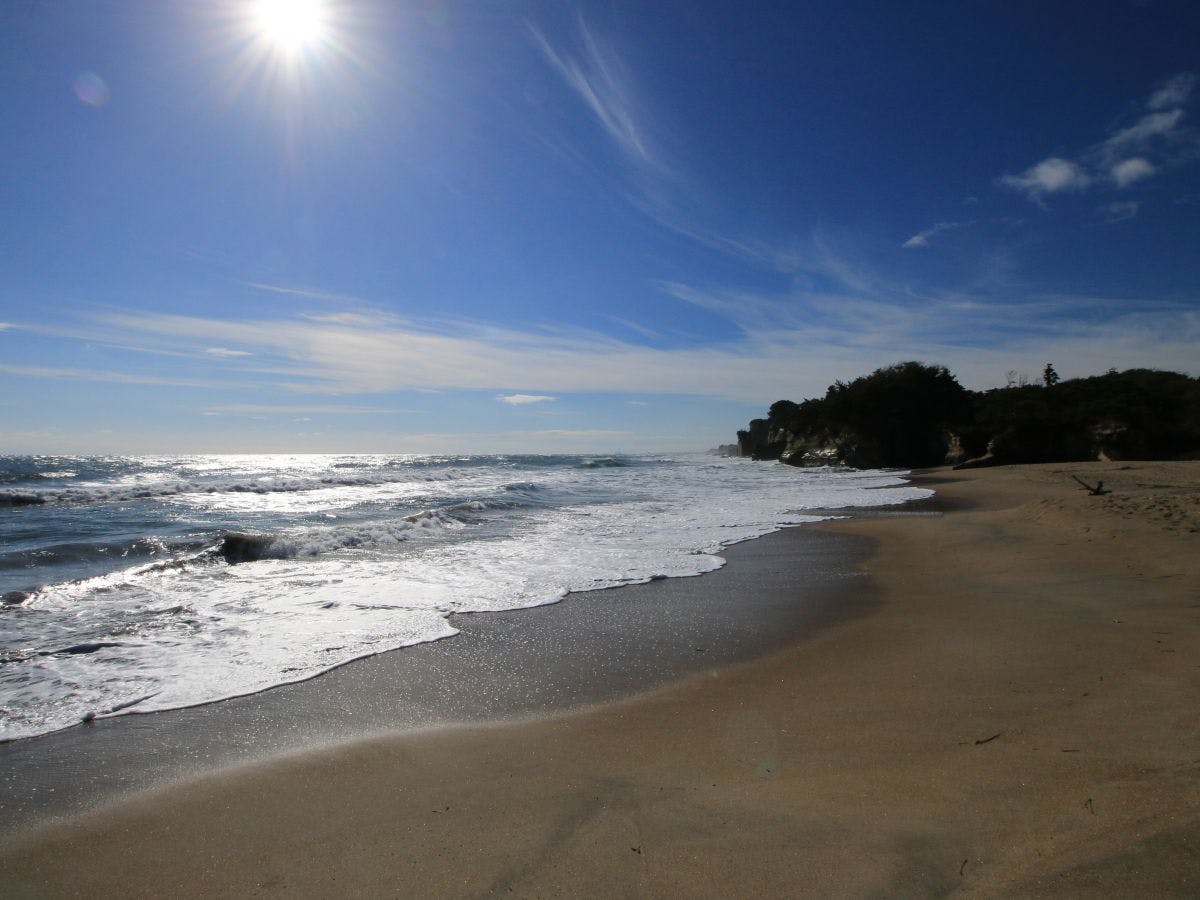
(108, 376)
(786, 343)
(1121, 210)
(525, 399)
(1174, 92)
(293, 409)
(1126, 157)
(921, 239)
(598, 76)
(653, 181)
(790, 343)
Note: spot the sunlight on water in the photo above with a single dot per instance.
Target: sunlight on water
(133, 584)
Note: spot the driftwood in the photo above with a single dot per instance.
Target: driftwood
(1096, 491)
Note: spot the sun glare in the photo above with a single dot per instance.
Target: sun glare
(290, 25)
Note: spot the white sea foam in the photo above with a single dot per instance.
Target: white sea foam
(358, 567)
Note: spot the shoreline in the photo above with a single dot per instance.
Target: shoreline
(633, 638)
(1013, 713)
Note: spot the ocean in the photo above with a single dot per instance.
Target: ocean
(134, 584)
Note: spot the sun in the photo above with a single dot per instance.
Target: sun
(290, 25)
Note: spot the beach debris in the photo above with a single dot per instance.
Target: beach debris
(1090, 807)
(130, 703)
(962, 868)
(988, 739)
(1096, 491)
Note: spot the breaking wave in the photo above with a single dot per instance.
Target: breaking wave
(239, 547)
(117, 595)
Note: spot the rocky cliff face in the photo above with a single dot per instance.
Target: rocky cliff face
(762, 440)
(896, 416)
(911, 415)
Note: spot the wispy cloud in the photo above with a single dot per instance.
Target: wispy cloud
(1131, 154)
(306, 293)
(839, 319)
(1050, 176)
(635, 327)
(525, 399)
(921, 238)
(328, 409)
(108, 376)
(599, 77)
(1121, 210)
(225, 352)
(1175, 91)
(654, 181)
(1146, 129)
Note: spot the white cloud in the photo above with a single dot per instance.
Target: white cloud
(600, 79)
(111, 377)
(790, 343)
(635, 327)
(1050, 176)
(1159, 135)
(1121, 210)
(4, 326)
(307, 293)
(225, 352)
(654, 182)
(1129, 171)
(1176, 91)
(525, 399)
(921, 239)
(1148, 127)
(299, 409)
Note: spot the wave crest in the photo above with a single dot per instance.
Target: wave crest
(240, 547)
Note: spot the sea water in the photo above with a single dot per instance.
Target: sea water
(132, 584)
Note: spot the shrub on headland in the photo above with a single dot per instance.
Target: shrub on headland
(912, 414)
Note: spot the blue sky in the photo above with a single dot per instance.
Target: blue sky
(495, 226)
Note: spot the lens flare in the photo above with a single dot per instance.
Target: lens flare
(91, 89)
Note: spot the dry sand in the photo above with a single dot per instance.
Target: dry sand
(1016, 713)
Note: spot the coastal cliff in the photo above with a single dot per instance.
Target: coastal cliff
(913, 414)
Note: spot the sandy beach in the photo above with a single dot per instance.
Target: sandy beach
(1012, 709)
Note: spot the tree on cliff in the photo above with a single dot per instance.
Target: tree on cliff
(900, 414)
(896, 416)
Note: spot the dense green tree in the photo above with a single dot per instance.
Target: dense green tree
(902, 415)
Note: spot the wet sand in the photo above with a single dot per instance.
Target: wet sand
(1015, 710)
(593, 647)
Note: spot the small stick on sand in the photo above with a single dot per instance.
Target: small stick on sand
(1096, 491)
